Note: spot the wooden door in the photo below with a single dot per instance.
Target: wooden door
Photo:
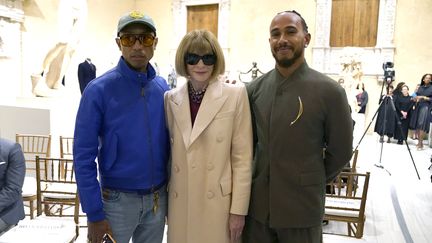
(354, 23)
(203, 17)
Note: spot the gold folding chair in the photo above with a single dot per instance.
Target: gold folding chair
(56, 189)
(66, 147)
(32, 145)
(347, 201)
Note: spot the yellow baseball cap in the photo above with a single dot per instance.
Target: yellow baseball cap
(135, 17)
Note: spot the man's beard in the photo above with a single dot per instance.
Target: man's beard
(287, 62)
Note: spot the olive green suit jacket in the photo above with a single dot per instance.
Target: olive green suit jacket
(294, 119)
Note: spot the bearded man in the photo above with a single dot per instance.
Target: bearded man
(297, 113)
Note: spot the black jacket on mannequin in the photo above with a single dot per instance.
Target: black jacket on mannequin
(86, 73)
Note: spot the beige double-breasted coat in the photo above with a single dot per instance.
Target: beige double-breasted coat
(211, 162)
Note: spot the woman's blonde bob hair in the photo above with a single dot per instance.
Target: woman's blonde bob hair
(200, 42)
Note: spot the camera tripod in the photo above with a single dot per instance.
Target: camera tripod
(387, 100)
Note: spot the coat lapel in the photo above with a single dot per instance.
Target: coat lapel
(210, 106)
(181, 111)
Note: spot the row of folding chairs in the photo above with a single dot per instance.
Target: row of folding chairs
(49, 186)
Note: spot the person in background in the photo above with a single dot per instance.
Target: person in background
(362, 99)
(86, 73)
(414, 94)
(398, 90)
(390, 90)
(385, 124)
(211, 133)
(12, 173)
(403, 104)
(121, 121)
(412, 130)
(421, 116)
(296, 113)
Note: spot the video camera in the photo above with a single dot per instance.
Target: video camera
(389, 72)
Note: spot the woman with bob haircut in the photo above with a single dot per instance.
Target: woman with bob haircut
(209, 122)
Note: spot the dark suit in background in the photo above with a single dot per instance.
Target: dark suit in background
(86, 73)
(12, 173)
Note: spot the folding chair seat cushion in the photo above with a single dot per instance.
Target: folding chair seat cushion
(29, 187)
(71, 188)
(343, 203)
(347, 201)
(342, 207)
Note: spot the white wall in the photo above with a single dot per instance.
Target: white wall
(23, 120)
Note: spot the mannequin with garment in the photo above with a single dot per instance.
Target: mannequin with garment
(72, 16)
(86, 73)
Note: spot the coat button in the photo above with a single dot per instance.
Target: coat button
(172, 140)
(193, 165)
(210, 166)
(219, 139)
(176, 168)
(210, 194)
(175, 194)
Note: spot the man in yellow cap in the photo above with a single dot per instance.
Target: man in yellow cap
(121, 122)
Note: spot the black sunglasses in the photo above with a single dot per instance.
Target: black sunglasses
(129, 40)
(193, 59)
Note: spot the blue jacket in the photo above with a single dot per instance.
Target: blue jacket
(121, 121)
